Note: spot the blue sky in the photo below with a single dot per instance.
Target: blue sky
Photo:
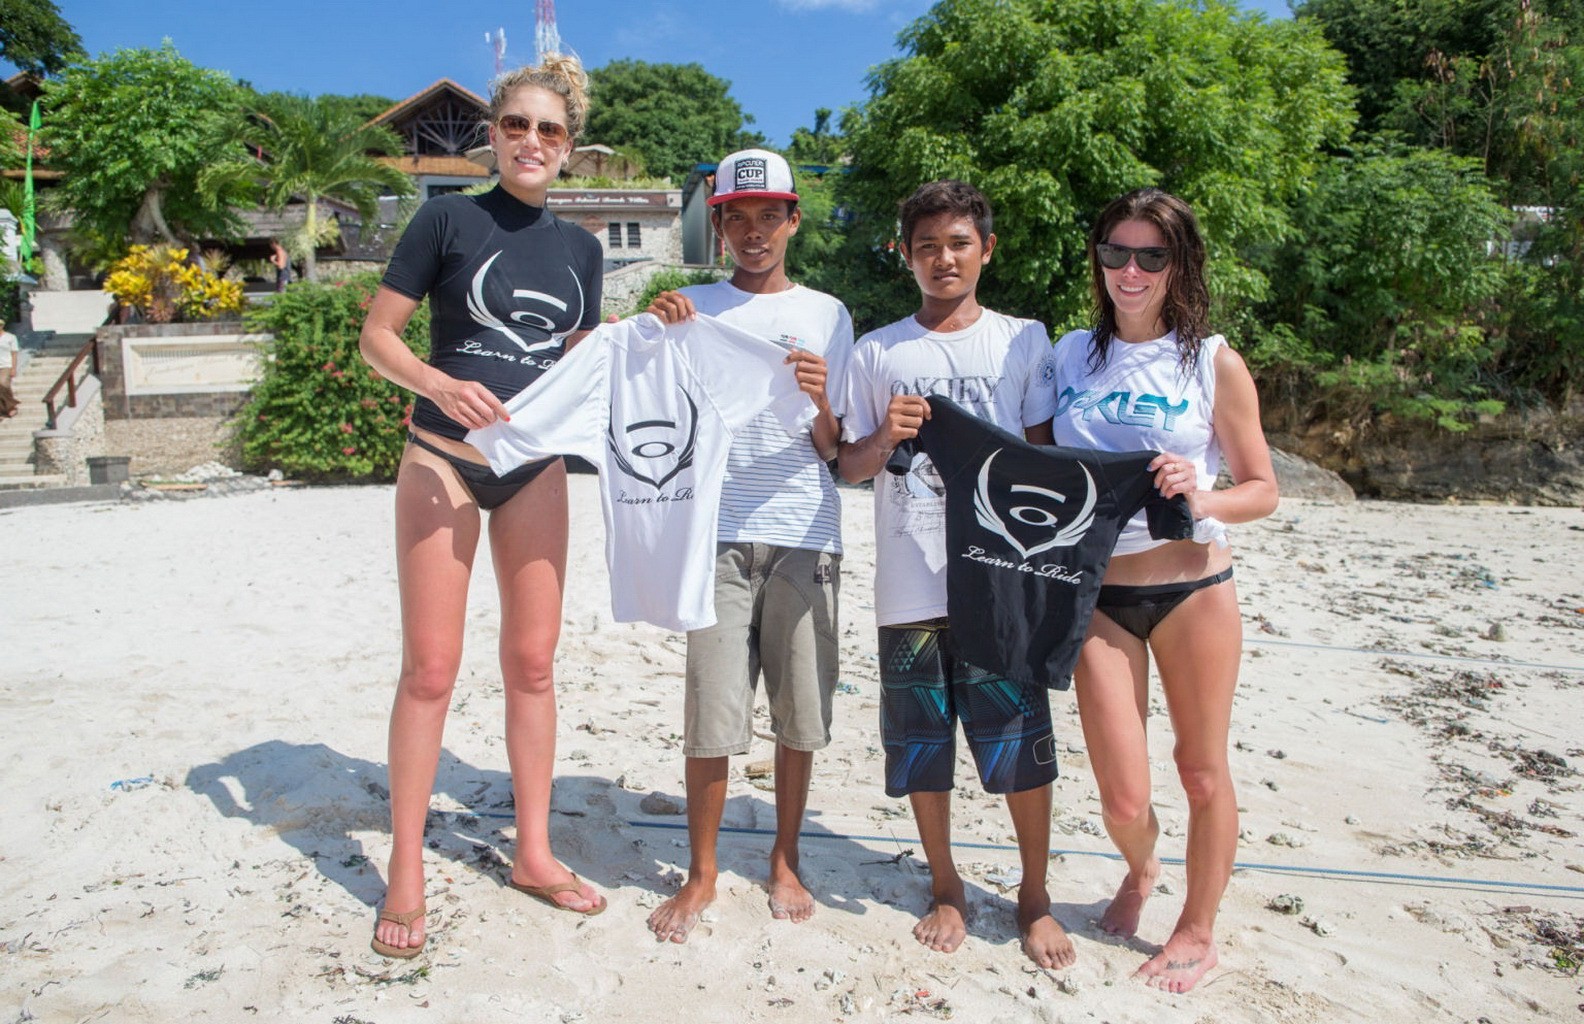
(784, 58)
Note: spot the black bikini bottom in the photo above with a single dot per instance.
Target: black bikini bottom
(488, 488)
(1140, 609)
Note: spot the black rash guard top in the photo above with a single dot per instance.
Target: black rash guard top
(1029, 531)
(506, 282)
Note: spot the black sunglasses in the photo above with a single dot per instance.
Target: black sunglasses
(516, 128)
(1152, 259)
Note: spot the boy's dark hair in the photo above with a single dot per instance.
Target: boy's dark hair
(955, 197)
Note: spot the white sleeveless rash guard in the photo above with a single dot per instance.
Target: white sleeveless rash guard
(1142, 398)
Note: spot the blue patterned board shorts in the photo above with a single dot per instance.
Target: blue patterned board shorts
(925, 689)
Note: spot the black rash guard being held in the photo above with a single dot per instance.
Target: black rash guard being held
(506, 282)
(1029, 531)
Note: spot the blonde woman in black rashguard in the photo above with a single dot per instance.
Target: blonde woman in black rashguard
(510, 289)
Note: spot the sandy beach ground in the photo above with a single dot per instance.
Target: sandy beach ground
(195, 696)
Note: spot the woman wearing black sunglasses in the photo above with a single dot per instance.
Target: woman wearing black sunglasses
(510, 289)
(1150, 375)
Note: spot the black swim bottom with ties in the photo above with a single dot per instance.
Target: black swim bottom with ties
(489, 489)
(1140, 609)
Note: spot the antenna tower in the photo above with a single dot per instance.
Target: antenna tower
(546, 38)
(497, 41)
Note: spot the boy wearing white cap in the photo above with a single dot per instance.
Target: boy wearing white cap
(778, 557)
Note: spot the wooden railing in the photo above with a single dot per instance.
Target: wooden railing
(69, 381)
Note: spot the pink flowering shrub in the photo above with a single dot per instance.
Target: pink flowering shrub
(320, 412)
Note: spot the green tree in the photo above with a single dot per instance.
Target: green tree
(310, 150)
(672, 116)
(131, 132)
(34, 37)
(1379, 296)
(1055, 108)
(363, 106)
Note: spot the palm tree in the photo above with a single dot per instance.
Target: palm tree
(310, 150)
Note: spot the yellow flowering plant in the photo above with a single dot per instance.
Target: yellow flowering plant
(165, 286)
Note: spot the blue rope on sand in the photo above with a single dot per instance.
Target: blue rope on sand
(1382, 877)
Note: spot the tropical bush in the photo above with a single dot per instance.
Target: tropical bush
(164, 286)
(320, 412)
(669, 280)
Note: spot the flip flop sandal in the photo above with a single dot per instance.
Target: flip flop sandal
(405, 920)
(547, 894)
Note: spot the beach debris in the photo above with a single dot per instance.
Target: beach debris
(204, 977)
(127, 785)
(828, 978)
(1351, 819)
(659, 803)
(1277, 753)
(1286, 904)
(759, 769)
(1496, 632)
(846, 687)
(1552, 941)
(1316, 925)
(1286, 839)
(1010, 878)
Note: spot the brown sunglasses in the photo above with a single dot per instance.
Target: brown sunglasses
(515, 128)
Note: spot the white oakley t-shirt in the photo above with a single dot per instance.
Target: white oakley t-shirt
(1000, 370)
(654, 408)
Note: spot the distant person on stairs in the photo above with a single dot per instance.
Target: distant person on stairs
(8, 369)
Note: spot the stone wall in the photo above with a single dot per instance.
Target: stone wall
(79, 432)
(132, 401)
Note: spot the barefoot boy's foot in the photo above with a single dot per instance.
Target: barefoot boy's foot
(1044, 940)
(945, 926)
(789, 899)
(1127, 906)
(674, 919)
(1179, 966)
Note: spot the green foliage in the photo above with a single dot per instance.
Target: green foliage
(1055, 109)
(1382, 287)
(310, 150)
(669, 280)
(131, 131)
(320, 412)
(672, 116)
(34, 37)
(608, 182)
(10, 301)
(364, 107)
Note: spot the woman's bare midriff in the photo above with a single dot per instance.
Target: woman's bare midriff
(1178, 561)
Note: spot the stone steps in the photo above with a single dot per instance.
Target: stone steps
(16, 433)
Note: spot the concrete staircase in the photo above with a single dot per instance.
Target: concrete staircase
(16, 433)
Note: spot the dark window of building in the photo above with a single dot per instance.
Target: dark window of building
(614, 232)
(440, 190)
(634, 239)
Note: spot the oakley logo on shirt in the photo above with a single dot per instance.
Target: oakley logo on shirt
(654, 451)
(1034, 525)
(974, 391)
(483, 316)
(1123, 407)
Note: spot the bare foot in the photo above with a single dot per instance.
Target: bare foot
(1127, 906)
(583, 899)
(675, 918)
(946, 925)
(1179, 966)
(789, 899)
(1044, 940)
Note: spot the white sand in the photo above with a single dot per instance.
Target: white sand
(241, 653)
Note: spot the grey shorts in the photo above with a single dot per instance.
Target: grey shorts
(775, 612)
